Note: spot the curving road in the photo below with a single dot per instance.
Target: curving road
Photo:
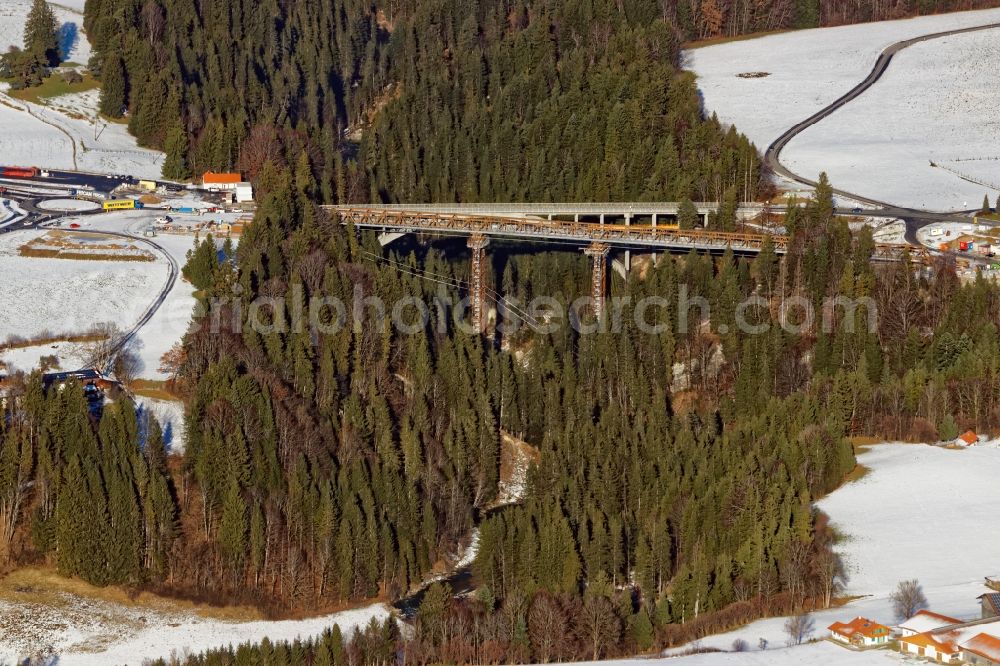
(172, 271)
(914, 218)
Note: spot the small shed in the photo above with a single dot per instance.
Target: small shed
(243, 192)
(970, 438)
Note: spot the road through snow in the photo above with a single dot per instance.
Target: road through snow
(880, 145)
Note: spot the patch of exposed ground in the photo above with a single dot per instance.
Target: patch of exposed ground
(58, 244)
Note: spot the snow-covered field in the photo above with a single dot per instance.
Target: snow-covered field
(79, 294)
(45, 137)
(87, 632)
(171, 321)
(937, 102)
(70, 356)
(170, 415)
(69, 14)
(61, 133)
(822, 653)
(922, 512)
(70, 296)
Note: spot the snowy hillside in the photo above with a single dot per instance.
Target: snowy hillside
(60, 134)
(936, 102)
(919, 513)
(69, 14)
(91, 632)
(77, 294)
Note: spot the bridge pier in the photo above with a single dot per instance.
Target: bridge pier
(477, 283)
(654, 233)
(598, 252)
(628, 253)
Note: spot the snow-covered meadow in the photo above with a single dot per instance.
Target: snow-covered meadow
(42, 295)
(69, 14)
(89, 632)
(937, 102)
(171, 320)
(45, 136)
(79, 294)
(921, 512)
(61, 134)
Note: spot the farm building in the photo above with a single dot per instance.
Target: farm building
(982, 650)
(860, 632)
(942, 647)
(990, 604)
(243, 193)
(924, 621)
(221, 181)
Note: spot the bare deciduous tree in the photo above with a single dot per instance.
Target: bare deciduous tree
(599, 626)
(799, 628)
(126, 366)
(829, 571)
(261, 147)
(548, 628)
(105, 340)
(907, 599)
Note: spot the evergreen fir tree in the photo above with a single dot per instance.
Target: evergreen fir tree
(41, 34)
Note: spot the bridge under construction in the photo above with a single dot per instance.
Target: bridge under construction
(595, 228)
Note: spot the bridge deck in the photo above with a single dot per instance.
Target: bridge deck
(590, 209)
(413, 219)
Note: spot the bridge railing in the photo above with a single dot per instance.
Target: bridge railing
(567, 208)
(409, 221)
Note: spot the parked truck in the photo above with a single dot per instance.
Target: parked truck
(19, 172)
(122, 204)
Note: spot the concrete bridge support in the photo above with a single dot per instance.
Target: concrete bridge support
(598, 252)
(477, 288)
(628, 253)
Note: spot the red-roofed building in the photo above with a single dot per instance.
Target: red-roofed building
(926, 620)
(982, 650)
(860, 632)
(222, 181)
(936, 647)
(242, 192)
(968, 439)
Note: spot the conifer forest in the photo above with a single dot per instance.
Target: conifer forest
(671, 493)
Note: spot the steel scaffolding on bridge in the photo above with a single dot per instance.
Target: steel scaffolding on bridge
(392, 221)
(597, 239)
(395, 221)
